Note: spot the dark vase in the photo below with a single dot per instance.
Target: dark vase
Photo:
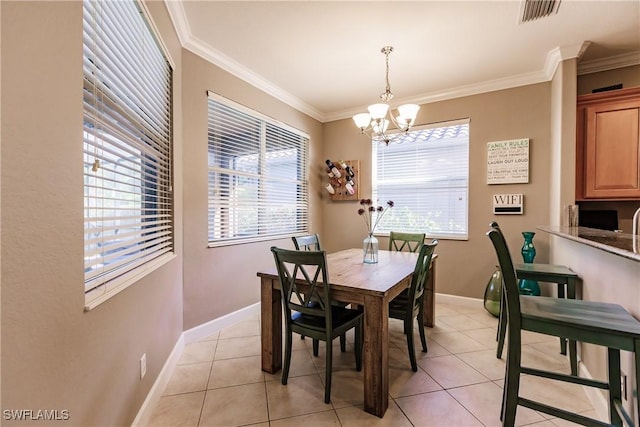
(527, 286)
(493, 293)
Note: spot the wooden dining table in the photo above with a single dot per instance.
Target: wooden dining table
(370, 286)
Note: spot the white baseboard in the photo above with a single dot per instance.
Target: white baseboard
(153, 397)
(598, 401)
(216, 325)
(192, 335)
(457, 300)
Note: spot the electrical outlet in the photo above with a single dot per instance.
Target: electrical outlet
(143, 365)
(623, 385)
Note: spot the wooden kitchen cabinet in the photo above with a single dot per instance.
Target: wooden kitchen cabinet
(608, 145)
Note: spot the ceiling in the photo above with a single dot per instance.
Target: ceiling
(324, 58)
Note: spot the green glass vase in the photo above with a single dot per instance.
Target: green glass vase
(527, 286)
(493, 293)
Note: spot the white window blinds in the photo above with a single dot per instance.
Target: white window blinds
(426, 174)
(257, 175)
(128, 206)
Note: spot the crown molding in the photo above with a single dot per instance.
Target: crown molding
(610, 63)
(457, 92)
(202, 49)
(179, 19)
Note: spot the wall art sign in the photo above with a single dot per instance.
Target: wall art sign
(508, 204)
(508, 162)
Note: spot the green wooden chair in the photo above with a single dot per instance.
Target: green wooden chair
(563, 277)
(311, 242)
(603, 324)
(308, 309)
(411, 241)
(412, 306)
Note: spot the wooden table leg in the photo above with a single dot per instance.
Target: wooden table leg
(376, 355)
(429, 297)
(271, 320)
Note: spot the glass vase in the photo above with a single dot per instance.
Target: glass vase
(370, 249)
(493, 293)
(527, 286)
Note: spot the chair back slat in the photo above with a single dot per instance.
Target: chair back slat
(310, 242)
(412, 242)
(303, 275)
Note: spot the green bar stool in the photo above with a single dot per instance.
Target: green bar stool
(563, 277)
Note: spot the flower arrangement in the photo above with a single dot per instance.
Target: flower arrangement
(372, 214)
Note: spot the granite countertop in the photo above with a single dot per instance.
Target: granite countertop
(623, 244)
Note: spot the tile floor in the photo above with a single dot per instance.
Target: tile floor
(218, 380)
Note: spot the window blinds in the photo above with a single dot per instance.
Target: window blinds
(257, 175)
(426, 174)
(128, 206)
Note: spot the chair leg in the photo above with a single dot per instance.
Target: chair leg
(615, 392)
(423, 338)
(511, 390)
(408, 326)
(358, 347)
(636, 358)
(328, 367)
(343, 343)
(505, 387)
(573, 357)
(511, 387)
(315, 347)
(287, 356)
(563, 341)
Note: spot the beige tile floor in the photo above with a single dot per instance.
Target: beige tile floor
(218, 380)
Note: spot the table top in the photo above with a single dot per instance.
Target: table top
(347, 271)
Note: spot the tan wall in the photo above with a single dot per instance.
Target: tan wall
(522, 112)
(56, 356)
(218, 281)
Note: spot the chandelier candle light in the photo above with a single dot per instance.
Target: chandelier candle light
(375, 122)
(370, 243)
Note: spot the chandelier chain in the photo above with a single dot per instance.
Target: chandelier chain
(387, 95)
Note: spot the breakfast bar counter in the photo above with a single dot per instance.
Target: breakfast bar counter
(623, 244)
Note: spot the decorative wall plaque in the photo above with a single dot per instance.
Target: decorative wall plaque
(508, 162)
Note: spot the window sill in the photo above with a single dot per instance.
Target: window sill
(104, 292)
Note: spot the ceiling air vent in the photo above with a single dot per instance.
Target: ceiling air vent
(534, 9)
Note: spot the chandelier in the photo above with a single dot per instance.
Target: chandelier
(375, 123)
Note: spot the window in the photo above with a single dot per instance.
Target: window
(257, 175)
(426, 174)
(128, 202)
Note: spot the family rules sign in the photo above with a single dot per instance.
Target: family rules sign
(508, 162)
